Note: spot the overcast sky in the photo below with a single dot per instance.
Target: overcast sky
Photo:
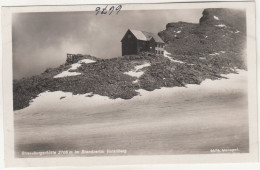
(41, 40)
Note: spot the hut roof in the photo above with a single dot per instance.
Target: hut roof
(146, 36)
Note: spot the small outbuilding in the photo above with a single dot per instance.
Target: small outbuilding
(135, 42)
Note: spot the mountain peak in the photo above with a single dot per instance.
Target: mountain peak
(234, 18)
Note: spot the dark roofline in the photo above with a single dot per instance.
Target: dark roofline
(144, 33)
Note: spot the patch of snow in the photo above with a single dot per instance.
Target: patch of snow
(216, 18)
(214, 54)
(206, 36)
(178, 32)
(89, 94)
(221, 25)
(166, 54)
(138, 67)
(47, 101)
(136, 81)
(177, 61)
(136, 72)
(66, 74)
(73, 67)
(237, 31)
(87, 61)
(175, 35)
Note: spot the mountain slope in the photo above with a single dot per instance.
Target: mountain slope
(221, 33)
(194, 52)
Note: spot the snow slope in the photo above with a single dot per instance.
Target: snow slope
(190, 120)
(74, 66)
(64, 101)
(166, 54)
(137, 72)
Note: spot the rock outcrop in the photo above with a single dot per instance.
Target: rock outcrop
(233, 18)
(220, 31)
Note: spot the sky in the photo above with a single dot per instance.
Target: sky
(42, 40)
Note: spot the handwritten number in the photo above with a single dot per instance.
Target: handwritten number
(104, 10)
(118, 8)
(111, 10)
(97, 10)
